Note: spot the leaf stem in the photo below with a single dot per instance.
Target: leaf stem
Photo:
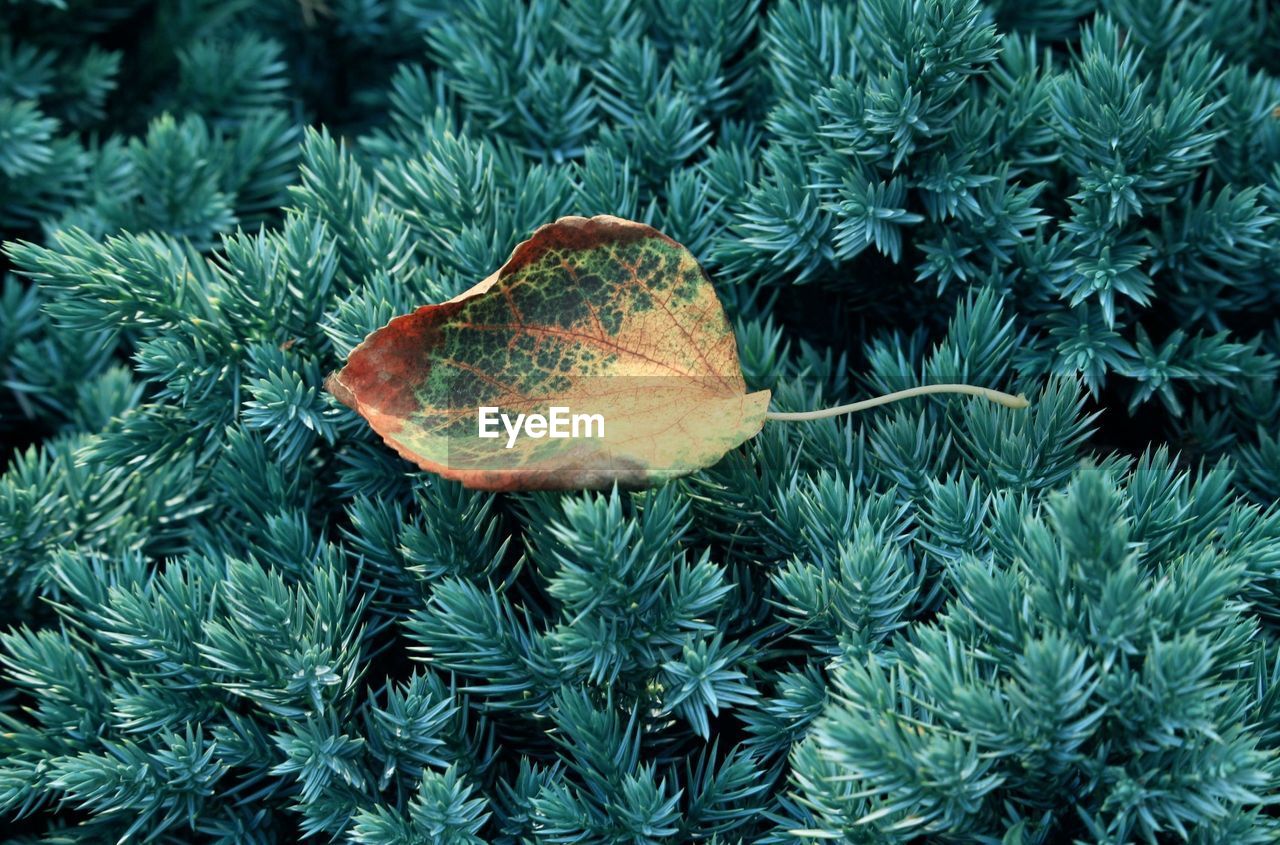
(1006, 399)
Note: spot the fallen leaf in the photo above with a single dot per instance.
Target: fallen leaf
(599, 316)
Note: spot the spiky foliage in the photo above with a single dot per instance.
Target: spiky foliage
(237, 617)
(180, 119)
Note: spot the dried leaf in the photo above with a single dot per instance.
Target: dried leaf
(598, 316)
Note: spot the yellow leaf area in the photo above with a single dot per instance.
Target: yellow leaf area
(597, 317)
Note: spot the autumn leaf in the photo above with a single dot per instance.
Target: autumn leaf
(599, 317)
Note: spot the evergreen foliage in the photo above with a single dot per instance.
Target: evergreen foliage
(235, 616)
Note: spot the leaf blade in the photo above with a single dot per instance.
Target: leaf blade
(604, 315)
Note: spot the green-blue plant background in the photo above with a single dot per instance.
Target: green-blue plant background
(230, 614)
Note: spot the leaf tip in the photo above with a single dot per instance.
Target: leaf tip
(333, 384)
